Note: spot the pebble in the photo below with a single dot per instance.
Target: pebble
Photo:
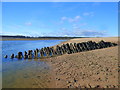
(92, 86)
(75, 80)
(89, 86)
(68, 82)
(58, 79)
(38, 76)
(97, 73)
(106, 69)
(98, 86)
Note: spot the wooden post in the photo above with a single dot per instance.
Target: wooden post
(25, 55)
(68, 49)
(41, 52)
(5, 56)
(19, 55)
(29, 54)
(12, 56)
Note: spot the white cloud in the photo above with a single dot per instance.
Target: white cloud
(75, 19)
(93, 33)
(85, 14)
(88, 14)
(76, 31)
(83, 24)
(71, 20)
(63, 18)
(28, 23)
(63, 29)
(10, 33)
(77, 26)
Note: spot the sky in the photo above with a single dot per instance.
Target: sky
(75, 19)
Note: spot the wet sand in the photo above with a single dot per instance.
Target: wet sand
(90, 69)
(32, 74)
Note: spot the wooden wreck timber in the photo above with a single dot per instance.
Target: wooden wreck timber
(63, 49)
(5, 56)
(12, 56)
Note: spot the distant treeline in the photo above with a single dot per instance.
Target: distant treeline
(6, 36)
(45, 37)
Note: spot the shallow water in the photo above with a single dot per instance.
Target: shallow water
(25, 73)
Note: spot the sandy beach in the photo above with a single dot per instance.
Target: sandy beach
(90, 69)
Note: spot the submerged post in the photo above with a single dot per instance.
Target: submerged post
(5, 56)
(12, 56)
(19, 55)
(25, 55)
(29, 54)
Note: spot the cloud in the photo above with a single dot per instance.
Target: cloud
(88, 14)
(63, 29)
(28, 23)
(75, 19)
(70, 20)
(63, 18)
(77, 32)
(77, 26)
(93, 33)
(83, 24)
(10, 33)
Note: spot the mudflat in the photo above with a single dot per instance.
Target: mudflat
(90, 69)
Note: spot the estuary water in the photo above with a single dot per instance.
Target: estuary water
(25, 73)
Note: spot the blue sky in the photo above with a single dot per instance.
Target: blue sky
(86, 19)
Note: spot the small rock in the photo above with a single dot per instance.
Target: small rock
(97, 86)
(89, 85)
(92, 86)
(38, 76)
(48, 80)
(113, 86)
(106, 86)
(106, 69)
(75, 80)
(97, 73)
(58, 79)
(68, 82)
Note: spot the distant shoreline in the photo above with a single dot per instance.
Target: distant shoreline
(39, 38)
(8, 38)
